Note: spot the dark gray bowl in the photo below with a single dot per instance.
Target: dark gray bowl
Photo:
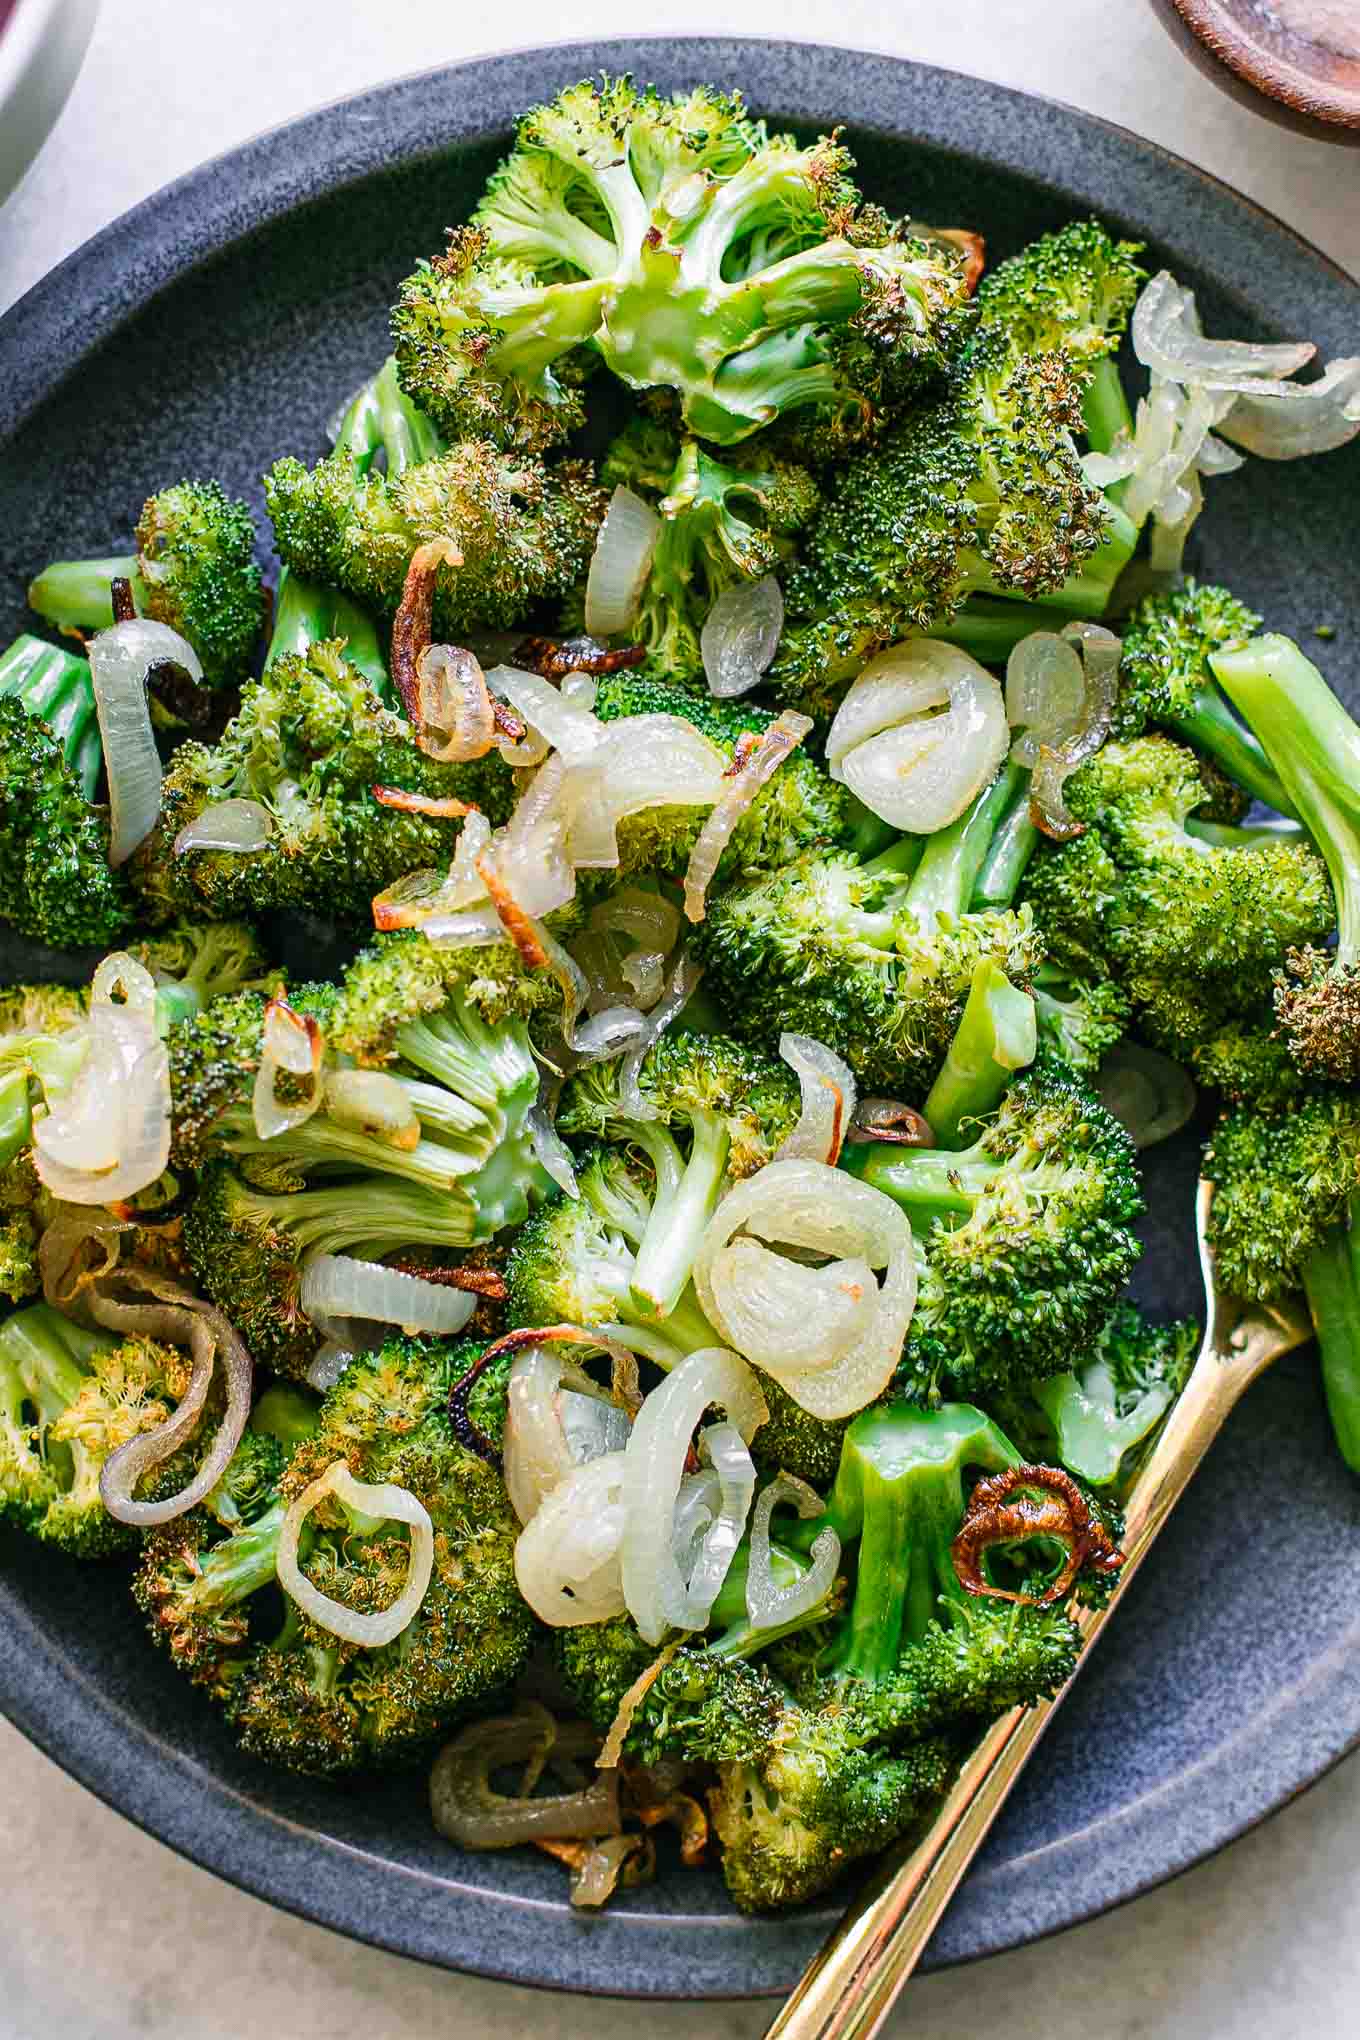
(215, 327)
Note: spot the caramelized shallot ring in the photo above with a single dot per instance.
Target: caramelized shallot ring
(518, 925)
(1063, 1514)
(444, 808)
(413, 622)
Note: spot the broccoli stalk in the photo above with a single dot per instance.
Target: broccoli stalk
(306, 613)
(1314, 745)
(381, 422)
(55, 686)
(1331, 1283)
(193, 568)
(995, 1037)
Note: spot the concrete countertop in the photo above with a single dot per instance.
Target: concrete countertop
(107, 1935)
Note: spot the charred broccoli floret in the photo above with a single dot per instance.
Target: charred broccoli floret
(311, 742)
(55, 880)
(194, 568)
(524, 532)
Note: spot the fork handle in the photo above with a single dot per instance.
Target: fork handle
(852, 1983)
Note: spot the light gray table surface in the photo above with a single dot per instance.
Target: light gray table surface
(105, 1934)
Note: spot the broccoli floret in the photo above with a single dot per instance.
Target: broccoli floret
(1099, 1418)
(797, 809)
(310, 743)
(576, 1260)
(1251, 1063)
(1286, 1215)
(524, 532)
(56, 687)
(792, 1440)
(981, 493)
(1074, 291)
(735, 1104)
(329, 1186)
(884, 1702)
(1024, 1240)
(1079, 1022)
(302, 1697)
(403, 973)
(1314, 746)
(689, 250)
(195, 962)
(55, 879)
(194, 568)
(1191, 919)
(20, 1193)
(1165, 682)
(874, 960)
(68, 1399)
(722, 522)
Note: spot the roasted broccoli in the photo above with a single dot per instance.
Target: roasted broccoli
(304, 1698)
(306, 614)
(311, 742)
(524, 532)
(381, 425)
(688, 249)
(872, 959)
(68, 1399)
(723, 521)
(1190, 918)
(1023, 1239)
(1078, 1022)
(194, 568)
(55, 880)
(980, 493)
(1314, 746)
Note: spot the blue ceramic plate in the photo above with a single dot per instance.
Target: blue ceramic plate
(214, 328)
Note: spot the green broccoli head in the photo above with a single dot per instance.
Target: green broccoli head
(1283, 1179)
(1024, 1240)
(207, 959)
(1078, 1023)
(404, 973)
(20, 1231)
(55, 880)
(1164, 669)
(310, 743)
(525, 532)
(1071, 290)
(688, 249)
(194, 569)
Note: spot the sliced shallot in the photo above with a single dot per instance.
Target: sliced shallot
(292, 1043)
(468, 1809)
(338, 1285)
(829, 1096)
(121, 662)
(769, 1605)
(567, 1557)
(741, 636)
(241, 826)
(919, 734)
(620, 563)
(744, 782)
(381, 1499)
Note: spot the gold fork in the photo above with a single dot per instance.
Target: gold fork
(851, 1985)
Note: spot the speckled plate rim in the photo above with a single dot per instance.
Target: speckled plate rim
(1274, 1753)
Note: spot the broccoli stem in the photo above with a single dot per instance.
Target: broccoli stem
(1212, 728)
(55, 686)
(1104, 407)
(928, 1183)
(1245, 835)
(953, 857)
(371, 1218)
(382, 419)
(901, 858)
(46, 1352)
(686, 1197)
(1008, 854)
(305, 613)
(1331, 1281)
(16, 1116)
(75, 593)
(996, 1036)
(990, 626)
(1315, 747)
(241, 1564)
(285, 1413)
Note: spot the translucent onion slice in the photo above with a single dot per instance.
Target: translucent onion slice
(182, 1318)
(467, 1808)
(122, 660)
(829, 1098)
(371, 1102)
(1151, 1096)
(381, 1499)
(743, 782)
(235, 825)
(567, 727)
(684, 979)
(551, 1151)
(768, 1605)
(1059, 756)
(1166, 336)
(294, 1044)
(567, 1558)
(551, 1428)
(122, 973)
(919, 734)
(604, 1035)
(710, 1557)
(1290, 421)
(1045, 693)
(656, 1594)
(795, 1322)
(741, 636)
(620, 563)
(338, 1285)
(108, 1137)
(453, 718)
